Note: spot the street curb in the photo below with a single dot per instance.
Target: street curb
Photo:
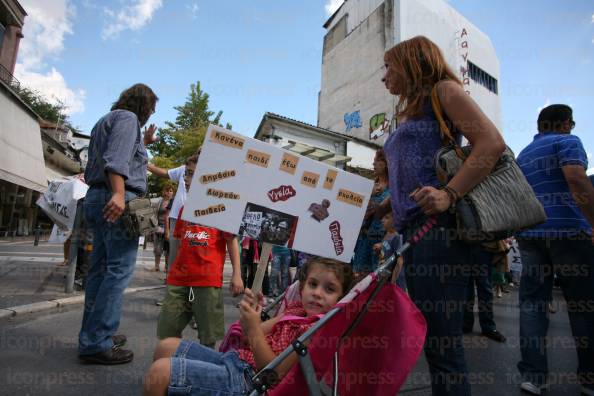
(61, 302)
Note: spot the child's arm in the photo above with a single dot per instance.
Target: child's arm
(236, 284)
(254, 333)
(166, 224)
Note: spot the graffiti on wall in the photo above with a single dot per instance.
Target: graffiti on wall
(463, 52)
(352, 120)
(379, 125)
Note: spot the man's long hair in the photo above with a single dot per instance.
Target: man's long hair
(139, 99)
(420, 63)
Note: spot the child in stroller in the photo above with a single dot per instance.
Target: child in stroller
(186, 367)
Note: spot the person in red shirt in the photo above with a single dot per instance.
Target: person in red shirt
(195, 279)
(186, 366)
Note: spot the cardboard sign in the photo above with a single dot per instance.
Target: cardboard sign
(225, 139)
(222, 194)
(352, 198)
(330, 179)
(257, 158)
(310, 179)
(293, 201)
(289, 163)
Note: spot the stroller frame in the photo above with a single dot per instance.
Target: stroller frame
(267, 376)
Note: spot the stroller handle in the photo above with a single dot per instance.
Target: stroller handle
(261, 380)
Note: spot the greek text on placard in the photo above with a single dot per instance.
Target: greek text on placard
(226, 139)
(289, 163)
(205, 179)
(281, 193)
(310, 179)
(336, 237)
(258, 158)
(330, 179)
(210, 210)
(222, 194)
(350, 197)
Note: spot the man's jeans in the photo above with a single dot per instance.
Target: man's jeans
(573, 261)
(437, 272)
(481, 276)
(112, 265)
(279, 273)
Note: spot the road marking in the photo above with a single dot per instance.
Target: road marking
(30, 253)
(15, 243)
(31, 259)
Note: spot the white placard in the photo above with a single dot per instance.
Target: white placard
(60, 199)
(513, 256)
(276, 195)
(58, 236)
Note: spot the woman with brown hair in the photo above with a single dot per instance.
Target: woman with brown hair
(437, 267)
(115, 173)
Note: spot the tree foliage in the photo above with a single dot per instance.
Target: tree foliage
(181, 138)
(52, 112)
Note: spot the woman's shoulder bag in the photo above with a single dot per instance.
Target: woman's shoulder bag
(499, 206)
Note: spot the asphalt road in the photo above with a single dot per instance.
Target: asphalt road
(39, 357)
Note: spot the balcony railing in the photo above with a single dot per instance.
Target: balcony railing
(9, 79)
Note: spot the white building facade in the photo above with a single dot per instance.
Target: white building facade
(353, 99)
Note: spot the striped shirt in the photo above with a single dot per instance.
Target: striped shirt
(541, 162)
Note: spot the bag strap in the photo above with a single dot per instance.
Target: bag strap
(446, 135)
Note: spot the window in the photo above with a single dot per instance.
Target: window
(482, 77)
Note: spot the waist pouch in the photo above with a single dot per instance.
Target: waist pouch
(139, 217)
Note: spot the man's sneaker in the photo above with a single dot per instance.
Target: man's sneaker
(494, 335)
(532, 389)
(115, 355)
(587, 391)
(119, 340)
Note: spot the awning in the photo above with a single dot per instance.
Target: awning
(21, 161)
(15, 179)
(317, 154)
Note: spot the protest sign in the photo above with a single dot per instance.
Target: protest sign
(514, 259)
(245, 186)
(59, 201)
(58, 236)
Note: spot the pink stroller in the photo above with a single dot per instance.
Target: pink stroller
(366, 345)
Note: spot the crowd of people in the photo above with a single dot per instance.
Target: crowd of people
(442, 272)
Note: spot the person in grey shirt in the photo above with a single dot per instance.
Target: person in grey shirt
(116, 173)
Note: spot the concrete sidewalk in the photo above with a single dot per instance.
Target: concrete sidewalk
(32, 279)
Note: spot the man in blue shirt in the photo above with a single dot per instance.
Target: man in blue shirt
(116, 173)
(555, 165)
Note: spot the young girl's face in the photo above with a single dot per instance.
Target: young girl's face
(321, 290)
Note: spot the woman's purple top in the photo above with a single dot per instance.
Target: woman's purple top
(410, 151)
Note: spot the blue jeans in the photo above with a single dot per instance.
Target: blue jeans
(279, 273)
(112, 265)
(437, 272)
(573, 262)
(481, 277)
(199, 370)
